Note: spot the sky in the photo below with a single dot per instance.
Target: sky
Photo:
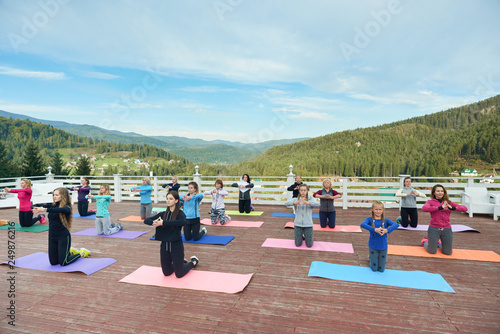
(241, 70)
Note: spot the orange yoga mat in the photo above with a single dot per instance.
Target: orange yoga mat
(458, 254)
(131, 219)
(194, 280)
(338, 228)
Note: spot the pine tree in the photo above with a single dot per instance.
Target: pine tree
(6, 167)
(58, 164)
(83, 166)
(33, 164)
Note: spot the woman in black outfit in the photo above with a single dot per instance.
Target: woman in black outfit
(168, 231)
(60, 220)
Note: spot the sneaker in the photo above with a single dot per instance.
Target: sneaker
(228, 218)
(73, 251)
(185, 261)
(120, 226)
(195, 261)
(424, 240)
(204, 230)
(42, 219)
(251, 208)
(398, 220)
(84, 252)
(112, 225)
(93, 211)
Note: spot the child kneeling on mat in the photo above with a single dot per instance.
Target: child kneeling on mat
(379, 227)
(168, 231)
(303, 223)
(60, 220)
(103, 223)
(218, 211)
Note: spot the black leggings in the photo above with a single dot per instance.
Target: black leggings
(59, 251)
(192, 229)
(244, 205)
(172, 259)
(412, 212)
(83, 209)
(26, 218)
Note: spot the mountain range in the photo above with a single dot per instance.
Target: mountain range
(220, 152)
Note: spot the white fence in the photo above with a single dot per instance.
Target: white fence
(271, 190)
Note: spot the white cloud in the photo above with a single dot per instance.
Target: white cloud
(207, 89)
(101, 75)
(32, 74)
(312, 115)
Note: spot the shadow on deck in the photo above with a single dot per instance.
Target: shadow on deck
(280, 298)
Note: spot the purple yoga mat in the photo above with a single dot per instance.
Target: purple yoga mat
(454, 228)
(123, 234)
(40, 261)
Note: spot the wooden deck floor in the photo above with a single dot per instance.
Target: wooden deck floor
(280, 297)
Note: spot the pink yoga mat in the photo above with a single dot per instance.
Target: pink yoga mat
(193, 280)
(454, 228)
(317, 246)
(338, 228)
(235, 223)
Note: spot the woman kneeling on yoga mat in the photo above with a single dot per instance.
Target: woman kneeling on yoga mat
(439, 233)
(60, 220)
(168, 231)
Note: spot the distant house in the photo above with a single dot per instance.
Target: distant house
(137, 161)
(455, 173)
(468, 172)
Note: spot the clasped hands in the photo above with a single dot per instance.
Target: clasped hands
(157, 222)
(381, 230)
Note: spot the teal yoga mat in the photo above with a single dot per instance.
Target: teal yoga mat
(405, 279)
(37, 228)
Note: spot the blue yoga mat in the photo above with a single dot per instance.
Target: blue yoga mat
(209, 240)
(405, 279)
(290, 215)
(77, 215)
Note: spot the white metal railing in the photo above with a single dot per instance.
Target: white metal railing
(271, 190)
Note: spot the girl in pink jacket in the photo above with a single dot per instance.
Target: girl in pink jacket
(439, 233)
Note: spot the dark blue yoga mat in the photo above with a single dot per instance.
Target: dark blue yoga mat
(209, 240)
(405, 279)
(290, 215)
(77, 215)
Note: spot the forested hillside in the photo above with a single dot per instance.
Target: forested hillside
(16, 134)
(431, 145)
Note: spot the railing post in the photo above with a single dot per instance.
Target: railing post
(118, 187)
(155, 187)
(197, 177)
(344, 193)
(470, 182)
(49, 178)
(290, 179)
